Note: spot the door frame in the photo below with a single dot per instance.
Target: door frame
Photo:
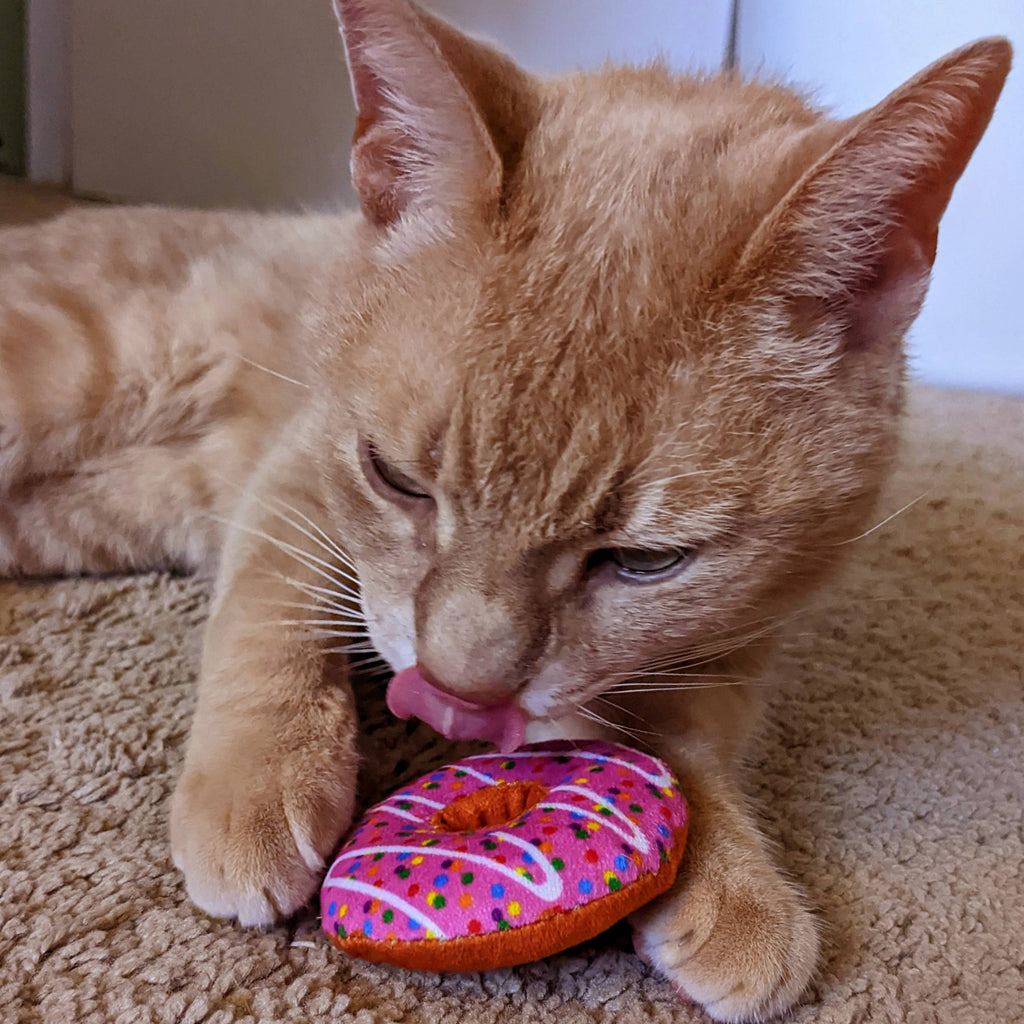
(48, 139)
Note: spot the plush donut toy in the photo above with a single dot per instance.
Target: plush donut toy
(500, 859)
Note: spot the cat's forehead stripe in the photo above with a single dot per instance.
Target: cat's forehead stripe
(657, 520)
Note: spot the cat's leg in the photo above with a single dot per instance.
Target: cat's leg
(141, 507)
(268, 783)
(132, 383)
(732, 934)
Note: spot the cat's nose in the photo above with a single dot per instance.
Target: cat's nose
(474, 643)
(433, 679)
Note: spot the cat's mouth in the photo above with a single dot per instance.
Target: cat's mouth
(410, 695)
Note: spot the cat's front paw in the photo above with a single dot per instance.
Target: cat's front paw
(251, 838)
(743, 947)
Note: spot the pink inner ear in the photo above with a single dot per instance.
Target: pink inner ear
(352, 17)
(410, 695)
(376, 175)
(420, 143)
(895, 298)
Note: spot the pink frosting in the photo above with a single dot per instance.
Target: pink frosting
(608, 818)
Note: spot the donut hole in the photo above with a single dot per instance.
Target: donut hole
(487, 807)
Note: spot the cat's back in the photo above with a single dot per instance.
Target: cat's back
(132, 281)
(122, 247)
(127, 323)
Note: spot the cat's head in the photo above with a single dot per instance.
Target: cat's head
(626, 368)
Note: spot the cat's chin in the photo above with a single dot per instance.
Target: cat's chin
(573, 726)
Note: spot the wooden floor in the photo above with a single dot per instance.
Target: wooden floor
(22, 203)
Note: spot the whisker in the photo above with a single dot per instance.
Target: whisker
(887, 519)
(669, 448)
(634, 734)
(730, 634)
(304, 558)
(316, 622)
(595, 717)
(660, 481)
(357, 647)
(322, 632)
(345, 613)
(689, 675)
(729, 640)
(373, 655)
(312, 590)
(273, 373)
(618, 707)
(365, 664)
(690, 658)
(725, 639)
(326, 543)
(696, 678)
(710, 655)
(668, 688)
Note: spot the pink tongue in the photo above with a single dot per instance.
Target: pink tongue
(409, 694)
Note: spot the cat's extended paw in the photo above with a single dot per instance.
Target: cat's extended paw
(744, 949)
(252, 843)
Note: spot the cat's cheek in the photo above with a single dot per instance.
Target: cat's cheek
(392, 630)
(539, 698)
(400, 655)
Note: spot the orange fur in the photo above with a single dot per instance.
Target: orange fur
(618, 310)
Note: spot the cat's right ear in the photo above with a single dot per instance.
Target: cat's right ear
(854, 239)
(440, 116)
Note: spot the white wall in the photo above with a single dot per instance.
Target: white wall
(246, 102)
(549, 36)
(969, 334)
(210, 102)
(48, 91)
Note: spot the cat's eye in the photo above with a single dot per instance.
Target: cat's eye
(383, 474)
(638, 563)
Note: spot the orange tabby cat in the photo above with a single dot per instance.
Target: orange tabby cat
(592, 391)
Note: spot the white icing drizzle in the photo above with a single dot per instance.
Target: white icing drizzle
(351, 885)
(399, 813)
(662, 779)
(417, 800)
(549, 889)
(482, 776)
(635, 837)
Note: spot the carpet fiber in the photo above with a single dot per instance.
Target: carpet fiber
(892, 775)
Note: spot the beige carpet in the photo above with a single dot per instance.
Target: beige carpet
(893, 776)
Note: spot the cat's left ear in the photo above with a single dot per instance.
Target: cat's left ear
(441, 117)
(855, 237)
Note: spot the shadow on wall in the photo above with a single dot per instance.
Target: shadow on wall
(12, 86)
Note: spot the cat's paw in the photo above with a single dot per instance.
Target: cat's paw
(743, 947)
(251, 839)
